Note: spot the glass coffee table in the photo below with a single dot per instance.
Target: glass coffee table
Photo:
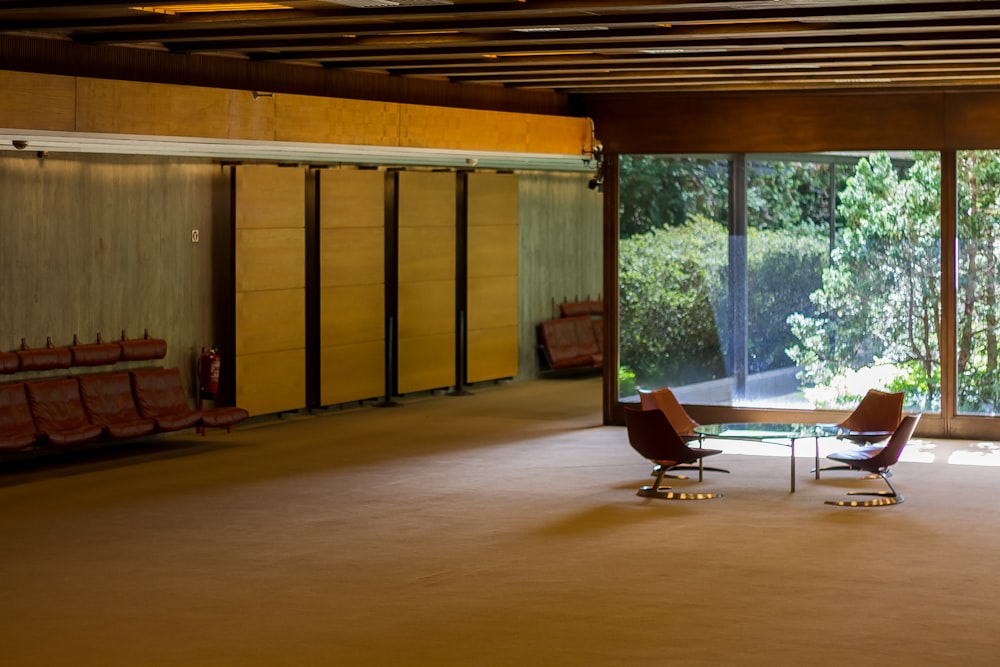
(774, 433)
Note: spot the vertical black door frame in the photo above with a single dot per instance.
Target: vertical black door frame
(391, 286)
(461, 282)
(314, 357)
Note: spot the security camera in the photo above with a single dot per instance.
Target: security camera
(19, 144)
(594, 183)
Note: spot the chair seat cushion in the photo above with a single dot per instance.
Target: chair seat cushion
(859, 454)
(74, 436)
(130, 429)
(179, 421)
(17, 442)
(223, 416)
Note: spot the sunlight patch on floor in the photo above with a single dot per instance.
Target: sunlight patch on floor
(977, 454)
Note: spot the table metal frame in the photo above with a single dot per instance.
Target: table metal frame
(777, 433)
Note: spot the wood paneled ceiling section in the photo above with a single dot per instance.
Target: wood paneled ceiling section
(569, 47)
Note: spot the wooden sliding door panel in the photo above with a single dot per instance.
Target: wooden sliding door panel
(426, 253)
(269, 216)
(352, 280)
(427, 362)
(494, 348)
(270, 381)
(492, 302)
(270, 320)
(426, 308)
(426, 281)
(493, 250)
(352, 256)
(492, 296)
(353, 372)
(270, 197)
(352, 314)
(270, 259)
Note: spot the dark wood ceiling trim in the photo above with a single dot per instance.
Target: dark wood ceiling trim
(49, 56)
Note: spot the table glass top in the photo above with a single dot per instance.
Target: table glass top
(759, 430)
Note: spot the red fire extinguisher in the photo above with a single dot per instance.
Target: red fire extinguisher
(209, 364)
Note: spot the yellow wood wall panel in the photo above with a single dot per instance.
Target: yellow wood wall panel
(270, 259)
(352, 314)
(337, 121)
(552, 134)
(352, 372)
(352, 198)
(426, 362)
(130, 107)
(271, 382)
(83, 104)
(270, 197)
(492, 302)
(493, 251)
(352, 256)
(496, 354)
(251, 119)
(445, 127)
(270, 320)
(37, 101)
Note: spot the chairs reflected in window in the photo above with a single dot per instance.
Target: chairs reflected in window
(651, 434)
(877, 460)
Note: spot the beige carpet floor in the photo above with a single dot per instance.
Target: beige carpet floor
(500, 528)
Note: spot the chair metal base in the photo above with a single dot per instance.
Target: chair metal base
(825, 468)
(654, 472)
(868, 476)
(883, 498)
(890, 497)
(663, 493)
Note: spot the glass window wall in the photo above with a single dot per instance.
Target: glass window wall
(781, 281)
(977, 308)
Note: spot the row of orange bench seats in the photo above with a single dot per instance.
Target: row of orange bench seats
(117, 405)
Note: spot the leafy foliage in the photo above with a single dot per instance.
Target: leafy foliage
(880, 299)
(866, 313)
(674, 295)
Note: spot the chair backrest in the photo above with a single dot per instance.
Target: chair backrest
(15, 415)
(56, 404)
(650, 434)
(877, 411)
(107, 398)
(159, 392)
(664, 400)
(890, 453)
